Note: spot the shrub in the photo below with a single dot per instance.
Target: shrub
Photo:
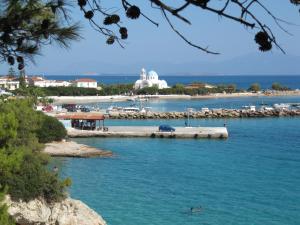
(254, 87)
(50, 130)
(4, 216)
(23, 168)
(33, 180)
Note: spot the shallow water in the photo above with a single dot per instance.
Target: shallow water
(251, 178)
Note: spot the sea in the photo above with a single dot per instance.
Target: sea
(251, 178)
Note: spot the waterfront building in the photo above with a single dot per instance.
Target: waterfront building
(85, 83)
(39, 81)
(9, 83)
(149, 80)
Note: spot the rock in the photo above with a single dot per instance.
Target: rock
(39, 212)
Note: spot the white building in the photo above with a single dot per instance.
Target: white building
(9, 83)
(41, 82)
(149, 80)
(86, 83)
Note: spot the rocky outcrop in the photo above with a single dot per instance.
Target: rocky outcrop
(67, 212)
(215, 113)
(73, 149)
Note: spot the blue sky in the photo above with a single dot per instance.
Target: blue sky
(149, 46)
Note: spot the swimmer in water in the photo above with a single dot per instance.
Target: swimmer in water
(196, 209)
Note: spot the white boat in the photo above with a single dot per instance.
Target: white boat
(267, 108)
(281, 106)
(249, 107)
(130, 109)
(205, 109)
(113, 109)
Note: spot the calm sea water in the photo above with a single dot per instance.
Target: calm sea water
(251, 178)
(240, 81)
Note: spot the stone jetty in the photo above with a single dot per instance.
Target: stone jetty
(214, 113)
(151, 132)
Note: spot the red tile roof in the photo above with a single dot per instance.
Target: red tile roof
(82, 116)
(85, 80)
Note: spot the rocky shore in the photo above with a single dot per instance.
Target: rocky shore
(214, 113)
(73, 149)
(39, 212)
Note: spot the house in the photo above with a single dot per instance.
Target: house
(9, 83)
(85, 83)
(39, 81)
(149, 80)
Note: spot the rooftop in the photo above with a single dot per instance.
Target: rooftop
(81, 116)
(85, 80)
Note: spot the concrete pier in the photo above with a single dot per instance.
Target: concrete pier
(152, 131)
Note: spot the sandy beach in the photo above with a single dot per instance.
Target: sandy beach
(73, 149)
(119, 98)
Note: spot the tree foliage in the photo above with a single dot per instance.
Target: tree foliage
(50, 130)
(278, 87)
(23, 167)
(254, 87)
(25, 26)
(4, 217)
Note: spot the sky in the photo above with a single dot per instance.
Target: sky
(159, 48)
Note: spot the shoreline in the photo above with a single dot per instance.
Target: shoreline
(75, 150)
(122, 98)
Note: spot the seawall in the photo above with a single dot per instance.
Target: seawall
(217, 113)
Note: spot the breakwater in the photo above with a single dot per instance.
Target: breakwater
(214, 113)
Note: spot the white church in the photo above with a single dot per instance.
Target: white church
(149, 80)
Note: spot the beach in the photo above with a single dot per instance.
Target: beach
(120, 98)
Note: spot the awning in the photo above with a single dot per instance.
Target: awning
(81, 116)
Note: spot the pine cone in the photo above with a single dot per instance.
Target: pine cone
(115, 18)
(81, 3)
(89, 14)
(123, 30)
(11, 60)
(20, 59)
(21, 66)
(110, 40)
(45, 24)
(107, 20)
(133, 12)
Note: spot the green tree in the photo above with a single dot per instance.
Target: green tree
(231, 88)
(23, 167)
(4, 217)
(50, 130)
(25, 26)
(254, 87)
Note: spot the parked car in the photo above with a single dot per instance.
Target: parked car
(72, 110)
(85, 109)
(166, 128)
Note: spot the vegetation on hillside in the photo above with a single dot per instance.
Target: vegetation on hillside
(24, 170)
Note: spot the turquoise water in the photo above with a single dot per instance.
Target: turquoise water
(251, 178)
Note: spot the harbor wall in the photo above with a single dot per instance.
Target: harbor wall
(218, 113)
